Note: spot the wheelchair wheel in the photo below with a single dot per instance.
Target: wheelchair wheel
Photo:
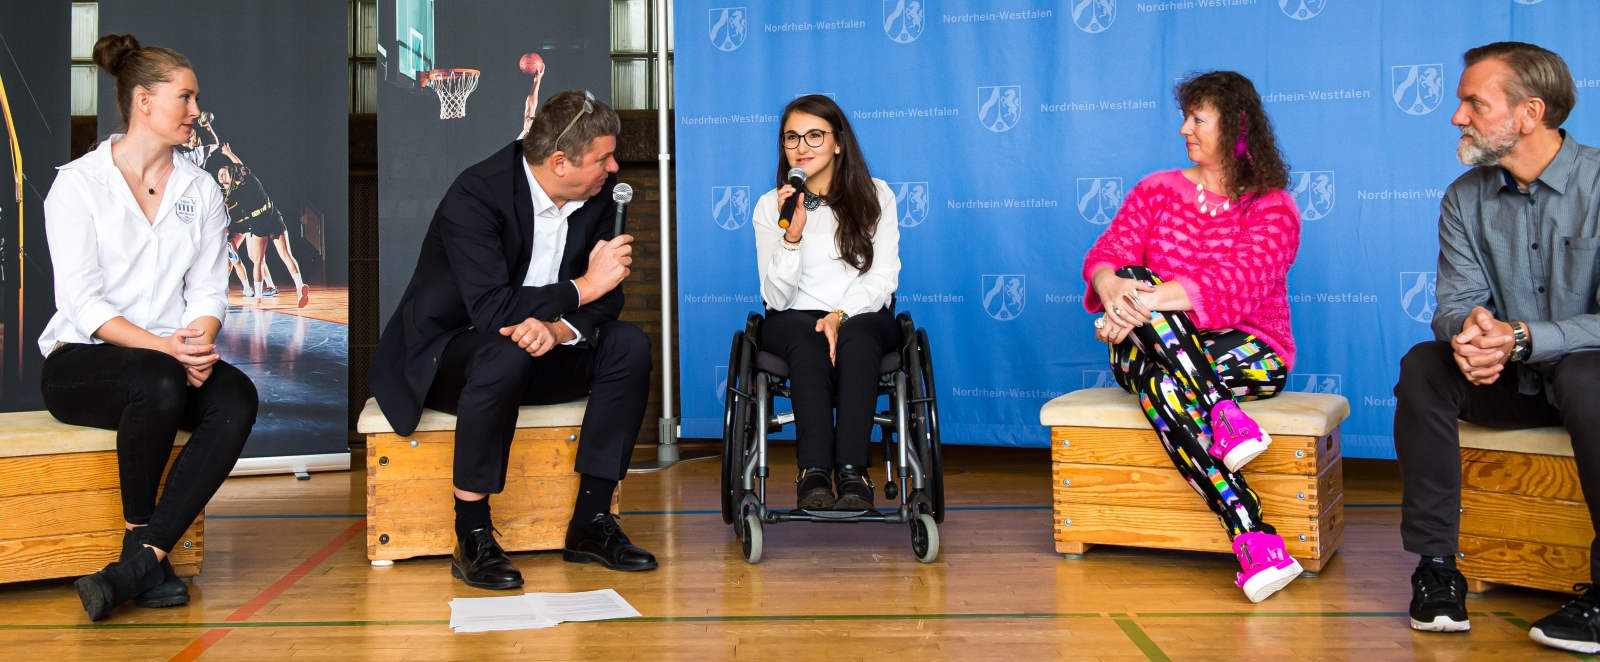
(925, 538)
(730, 403)
(751, 540)
(925, 421)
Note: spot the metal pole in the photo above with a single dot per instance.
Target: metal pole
(667, 453)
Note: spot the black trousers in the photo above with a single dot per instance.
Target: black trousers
(815, 384)
(144, 395)
(1433, 393)
(484, 377)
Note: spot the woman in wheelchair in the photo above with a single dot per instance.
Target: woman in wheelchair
(828, 280)
(1192, 276)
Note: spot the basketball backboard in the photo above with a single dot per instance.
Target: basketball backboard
(405, 41)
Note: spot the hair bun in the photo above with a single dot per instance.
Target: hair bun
(112, 51)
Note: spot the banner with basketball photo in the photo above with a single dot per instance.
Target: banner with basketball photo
(458, 81)
(35, 137)
(274, 132)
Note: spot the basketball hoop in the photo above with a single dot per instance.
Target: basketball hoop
(453, 86)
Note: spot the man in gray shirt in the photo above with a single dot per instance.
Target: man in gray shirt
(1518, 322)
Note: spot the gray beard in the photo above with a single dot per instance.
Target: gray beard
(1474, 150)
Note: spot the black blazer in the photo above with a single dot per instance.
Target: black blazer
(469, 275)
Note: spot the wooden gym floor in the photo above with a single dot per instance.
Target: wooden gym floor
(286, 576)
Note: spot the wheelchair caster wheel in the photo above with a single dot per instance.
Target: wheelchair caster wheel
(752, 538)
(925, 538)
(891, 490)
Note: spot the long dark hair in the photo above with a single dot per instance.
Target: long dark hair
(852, 197)
(1238, 107)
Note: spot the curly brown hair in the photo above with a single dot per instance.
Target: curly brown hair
(1262, 169)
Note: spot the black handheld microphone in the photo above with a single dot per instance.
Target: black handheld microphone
(623, 194)
(797, 179)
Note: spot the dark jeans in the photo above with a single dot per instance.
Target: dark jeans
(484, 377)
(814, 381)
(144, 395)
(1433, 393)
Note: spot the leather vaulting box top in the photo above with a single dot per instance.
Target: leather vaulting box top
(27, 433)
(1289, 413)
(564, 415)
(1538, 441)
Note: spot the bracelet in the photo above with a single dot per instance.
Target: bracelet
(788, 246)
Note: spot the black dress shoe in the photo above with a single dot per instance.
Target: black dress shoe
(602, 541)
(172, 591)
(119, 582)
(814, 490)
(479, 561)
(855, 488)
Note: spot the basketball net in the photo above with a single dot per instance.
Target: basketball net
(453, 86)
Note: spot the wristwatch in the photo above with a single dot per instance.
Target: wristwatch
(842, 316)
(1522, 344)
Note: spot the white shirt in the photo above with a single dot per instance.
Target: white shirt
(110, 262)
(814, 277)
(549, 241)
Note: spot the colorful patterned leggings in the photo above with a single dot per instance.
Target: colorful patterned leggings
(1180, 373)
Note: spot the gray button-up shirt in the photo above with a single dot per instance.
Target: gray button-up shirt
(1525, 255)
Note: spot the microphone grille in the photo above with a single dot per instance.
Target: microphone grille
(799, 173)
(623, 193)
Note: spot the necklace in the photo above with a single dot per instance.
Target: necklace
(147, 185)
(813, 201)
(1206, 205)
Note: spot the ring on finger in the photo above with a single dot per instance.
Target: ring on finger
(1099, 322)
(1117, 310)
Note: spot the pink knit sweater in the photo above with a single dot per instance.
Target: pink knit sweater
(1234, 266)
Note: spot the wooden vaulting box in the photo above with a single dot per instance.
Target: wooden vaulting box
(1524, 521)
(411, 497)
(61, 501)
(1115, 485)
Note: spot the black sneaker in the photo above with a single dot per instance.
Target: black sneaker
(1575, 627)
(1438, 597)
(814, 490)
(855, 488)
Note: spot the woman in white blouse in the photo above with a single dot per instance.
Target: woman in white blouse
(137, 236)
(829, 281)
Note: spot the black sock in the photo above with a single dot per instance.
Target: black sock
(1448, 561)
(594, 497)
(471, 515)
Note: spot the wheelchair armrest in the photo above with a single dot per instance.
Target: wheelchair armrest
(908, 330)
(752, 328)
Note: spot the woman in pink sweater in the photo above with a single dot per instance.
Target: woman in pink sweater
(1192, 278)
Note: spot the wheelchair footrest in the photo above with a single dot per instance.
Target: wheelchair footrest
(838, 516)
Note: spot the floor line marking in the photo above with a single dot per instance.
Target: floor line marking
(199, 646)
(323, 516)
(752, 618)
(1142, 640)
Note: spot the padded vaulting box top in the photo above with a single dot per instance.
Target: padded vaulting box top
(565, 415)
(1538, 441)
(1290, 413)
(27, 433)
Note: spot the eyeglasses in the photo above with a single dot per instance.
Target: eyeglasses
(588, 107)
(791, 140)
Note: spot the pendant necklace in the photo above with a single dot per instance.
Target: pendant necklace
(147, 185)
(1205, 205)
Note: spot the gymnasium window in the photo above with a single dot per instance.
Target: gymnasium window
(633, 65)
(363, 53)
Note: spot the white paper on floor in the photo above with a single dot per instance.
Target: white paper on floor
(536, 610)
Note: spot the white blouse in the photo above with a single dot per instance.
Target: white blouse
(111, 262)
(815, 277)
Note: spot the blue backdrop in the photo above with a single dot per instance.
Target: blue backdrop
(1011, 130)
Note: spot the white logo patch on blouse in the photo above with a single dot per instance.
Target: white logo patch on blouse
(187, 209)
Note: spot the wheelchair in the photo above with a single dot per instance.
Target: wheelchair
(910, 428)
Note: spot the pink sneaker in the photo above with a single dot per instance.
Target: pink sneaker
(1235, 439)
(1267, 565)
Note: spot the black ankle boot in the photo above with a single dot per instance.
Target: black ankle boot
(119, 582)
(855, 488)
(172, 591)
(814, 490)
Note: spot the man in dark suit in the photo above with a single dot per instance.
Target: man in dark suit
(515, 302)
